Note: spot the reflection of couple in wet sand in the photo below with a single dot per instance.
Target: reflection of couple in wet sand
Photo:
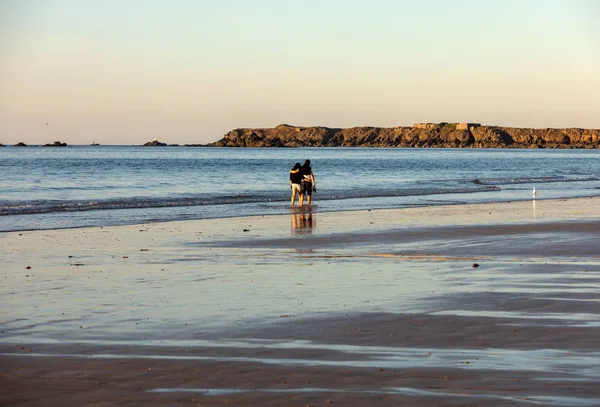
(302, 182)
(303, 222)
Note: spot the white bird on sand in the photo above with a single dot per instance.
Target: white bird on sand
(534, 192)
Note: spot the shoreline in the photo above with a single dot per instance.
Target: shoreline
(147, 185)
(488, 304)
(312, 209)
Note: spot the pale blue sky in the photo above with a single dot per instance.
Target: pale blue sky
(184, 71)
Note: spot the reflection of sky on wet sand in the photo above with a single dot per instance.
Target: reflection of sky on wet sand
(551, 361)
(406, 391)
(554, 366)
(157, 288)
(162, 285)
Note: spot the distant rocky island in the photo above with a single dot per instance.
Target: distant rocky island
(452, 135)
(156, 143)
(56, 144)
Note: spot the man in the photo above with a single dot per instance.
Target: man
(309, 184)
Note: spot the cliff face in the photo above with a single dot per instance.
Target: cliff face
(420, 135)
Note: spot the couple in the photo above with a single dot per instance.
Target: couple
(302, 182)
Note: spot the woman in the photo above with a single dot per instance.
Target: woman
(295, 182)
(309, 184)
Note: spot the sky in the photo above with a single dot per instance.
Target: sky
(188, 71)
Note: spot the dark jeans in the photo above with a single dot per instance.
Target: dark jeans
(306, 188)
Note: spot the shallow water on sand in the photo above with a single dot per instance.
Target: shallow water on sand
(150, 290)
(469, 302)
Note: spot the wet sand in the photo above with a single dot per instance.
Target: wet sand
(358, 308)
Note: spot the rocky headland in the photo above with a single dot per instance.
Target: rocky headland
(452, 135)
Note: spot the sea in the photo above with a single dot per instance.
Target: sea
(78, 186)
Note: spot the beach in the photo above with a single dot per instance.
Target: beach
(492, 304)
